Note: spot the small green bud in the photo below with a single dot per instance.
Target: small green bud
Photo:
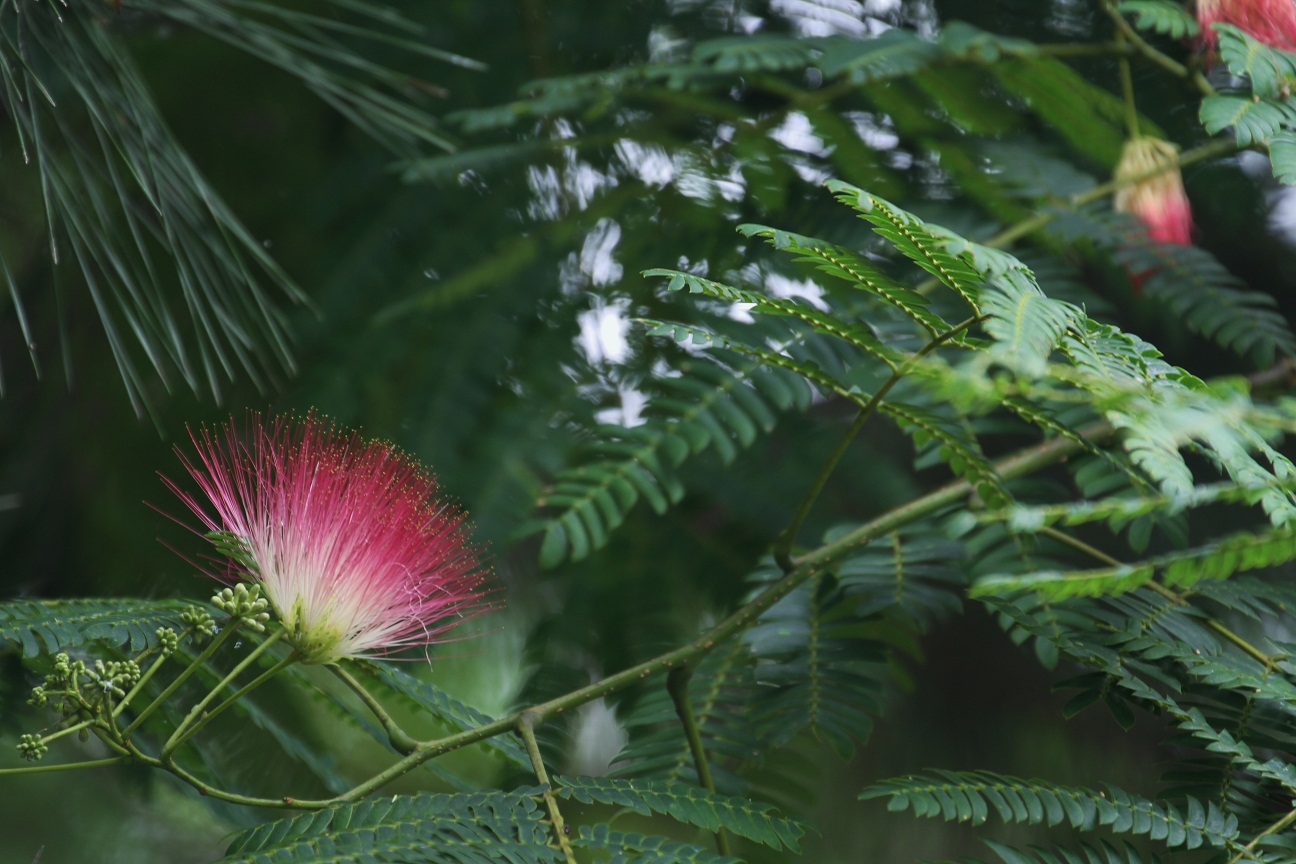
(32, 747)
(38, 697)
(115, 676)
(168, 639)
(200, 620)
(244, 603)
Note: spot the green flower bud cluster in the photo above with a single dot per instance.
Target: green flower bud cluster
(32, 747)
(200, 620)
(61, 688)
(168, 640)
(96, 697)
(115, 676)
(244, 602)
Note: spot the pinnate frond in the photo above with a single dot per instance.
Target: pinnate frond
(483, 827)
(48, 626)
(688, 804)
(971, 796)
(628, 848)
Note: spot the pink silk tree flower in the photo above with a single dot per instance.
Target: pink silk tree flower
(1158, 199)
(1272, 22)
(347, 538)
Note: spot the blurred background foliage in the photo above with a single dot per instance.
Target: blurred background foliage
(464, 288)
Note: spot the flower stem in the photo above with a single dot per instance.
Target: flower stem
(67, 766)
(526, 723)
(233, 797)
(193, 667)
(68, 730)
(144, 679)
(1127, 93)
(1126, 33)
(191, 723)
(677, 682)
(400, 740)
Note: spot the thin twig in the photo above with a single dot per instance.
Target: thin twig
(786, 540)
(1282, 823)
(402, 741)
(677, 682)
(526, 724)
(1168, 593)
(191, 722)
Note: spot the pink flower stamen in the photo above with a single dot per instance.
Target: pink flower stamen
(1157, 198)
(1272, 22)
(347, 538)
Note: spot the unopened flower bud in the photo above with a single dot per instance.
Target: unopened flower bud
(168, 639)
(200, 620)
(1158, 198)
(32, 747)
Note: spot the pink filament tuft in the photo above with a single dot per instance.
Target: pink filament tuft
(348, 539)
(1272, 22)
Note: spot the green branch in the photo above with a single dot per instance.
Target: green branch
(189, 670)
(67, 766)
(526, 728)
(1127, 87)
(400, 740)
(192, 723)
(1139, 44)
(1209, 150)
(677, 682)
(1024, 462)
(1281, 825)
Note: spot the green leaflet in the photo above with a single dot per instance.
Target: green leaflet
(1253, 120)
(912, 238)
(640, 847)
(1269, 69)
(1160, 16)
(971, 796)
(1234, 554)
(50, 626)
(487, 827)
(689, 804)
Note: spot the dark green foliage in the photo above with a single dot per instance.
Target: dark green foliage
(497, 826)
(721, 409)
(721, 690)
(973, 795)
(1160, 16)
(1084, 853)
(688, 804)
(50, 626)
(629, 848)
(180, 286)
(1123, 513)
